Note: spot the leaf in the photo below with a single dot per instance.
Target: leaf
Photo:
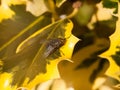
(74, 76)
(106, 28)
(8, 26)
(106, 82)
(116, 57)
(18, 28)
(59, 2)
(5, 80)
(52, 68)
(36, 7)
(5, 10)
(85, 62)
(111, 4)
(13, 2)
(114, 69)
(34, 63)
(5, 13)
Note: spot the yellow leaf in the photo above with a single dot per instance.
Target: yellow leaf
(5, 80)
(36, 7)
(5, 11)
(52, 68)
(114, 69)
(60, 29)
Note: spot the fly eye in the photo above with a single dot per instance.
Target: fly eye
(53, 45)
(57, 42)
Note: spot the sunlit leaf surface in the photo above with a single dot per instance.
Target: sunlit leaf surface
(36, 7)
(59, 2)
(87, 65)
(41, 44)
(5, 11)
(38, 43)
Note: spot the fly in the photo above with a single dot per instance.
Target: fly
(53, 45)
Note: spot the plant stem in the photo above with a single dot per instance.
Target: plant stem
(52, 9)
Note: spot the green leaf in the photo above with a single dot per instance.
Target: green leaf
(86, 62)
(105, 28)
(18, 28)
(33, 53)
(111, 4)
(116, 56)
(13, 26)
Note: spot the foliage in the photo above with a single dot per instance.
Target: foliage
(116, 57)
(48, 39)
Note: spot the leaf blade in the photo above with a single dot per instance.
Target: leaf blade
(33, 64)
